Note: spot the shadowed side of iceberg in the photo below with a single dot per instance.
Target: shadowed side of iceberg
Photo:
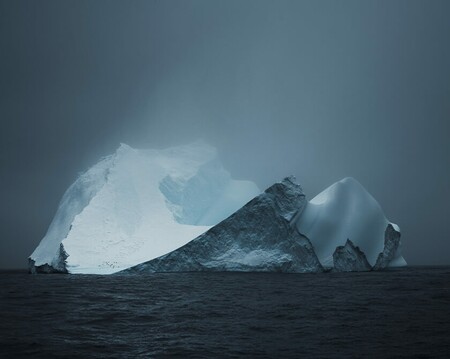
(391, 247)
(350, 258)
(258, 237)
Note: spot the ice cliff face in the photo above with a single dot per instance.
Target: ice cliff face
(261, 236)
(344, 211)
(136, 205)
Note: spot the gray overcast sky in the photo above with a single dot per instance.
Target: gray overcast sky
(319, 89)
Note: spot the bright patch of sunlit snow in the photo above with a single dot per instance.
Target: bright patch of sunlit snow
(115, 215)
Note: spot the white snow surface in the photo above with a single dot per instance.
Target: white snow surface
(345, 210)
(115, 215)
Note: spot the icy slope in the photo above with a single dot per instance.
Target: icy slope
(344, 211)
(258, 237)
(136, 205)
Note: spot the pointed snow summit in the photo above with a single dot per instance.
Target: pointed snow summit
(345, 210)
(136, 205)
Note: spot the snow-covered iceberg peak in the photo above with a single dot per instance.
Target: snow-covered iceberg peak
(345, 210)
(136, 205)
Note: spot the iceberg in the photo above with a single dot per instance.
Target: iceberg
(178, 209)
(136, 205)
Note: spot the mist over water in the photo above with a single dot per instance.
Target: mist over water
(318, 89)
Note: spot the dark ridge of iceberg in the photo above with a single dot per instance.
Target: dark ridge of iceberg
(350, 258)
(391, 244)
(58, 266)
(261, 236)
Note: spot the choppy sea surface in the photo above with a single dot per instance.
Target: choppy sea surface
(400, 313)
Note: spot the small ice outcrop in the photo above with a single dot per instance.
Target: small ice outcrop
(350, 258)
(391, 247)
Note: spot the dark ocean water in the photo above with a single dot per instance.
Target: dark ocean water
(402, 313)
